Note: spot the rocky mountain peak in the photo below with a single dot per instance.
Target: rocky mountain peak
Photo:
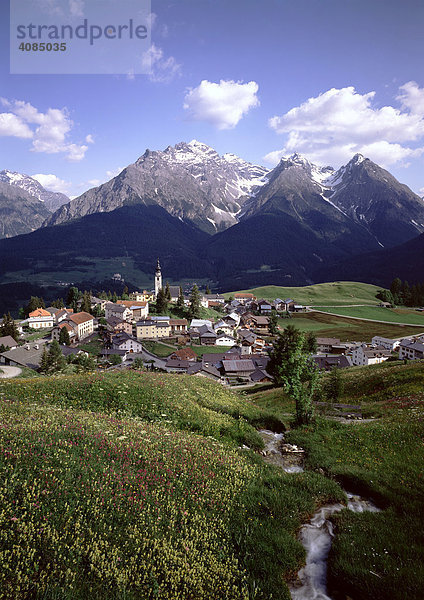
(51, 200)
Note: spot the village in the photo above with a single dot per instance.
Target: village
(231, 347)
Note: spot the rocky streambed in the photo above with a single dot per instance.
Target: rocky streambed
(315, 536)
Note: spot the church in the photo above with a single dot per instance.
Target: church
(174, 289)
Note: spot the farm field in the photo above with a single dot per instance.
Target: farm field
(158, 348)
(201, 350)
(336, 293)
(409, 317)
(326, 325)
(131, 485)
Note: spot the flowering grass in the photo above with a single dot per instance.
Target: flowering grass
(100, 506)
(111, 508)
(188, 403)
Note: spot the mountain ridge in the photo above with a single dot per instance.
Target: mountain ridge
(190, 180)
(52, 200)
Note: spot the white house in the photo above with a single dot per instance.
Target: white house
(197, 323)
(39, 319)
(8, 342)
(123, 341)
(119, 311)
(234, 316)
(411, 350)
(224, 327)
(82, 323)
(385, 343)
(364, 355)
(225, 340)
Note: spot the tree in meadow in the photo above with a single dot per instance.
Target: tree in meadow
(293, 368)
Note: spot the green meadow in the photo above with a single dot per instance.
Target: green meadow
(377, 313)
(375, 556)
(129, 485)
(343, 328)
(134, 485)
(337, 293)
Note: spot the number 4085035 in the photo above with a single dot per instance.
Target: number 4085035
(42, 47)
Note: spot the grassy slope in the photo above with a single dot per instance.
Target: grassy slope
(380, 389)
(337, 293)
(376, 556)
(324, 325)
(158, 348)
(187, 403)
(379, 314)
(177, 515)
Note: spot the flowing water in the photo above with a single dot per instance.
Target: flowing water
(315, 536)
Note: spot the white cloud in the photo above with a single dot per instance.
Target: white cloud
(89, 139)
(222, 104)
(13, 126)
(274, 157)
(161, 69)
(76, 152)
(49, 131)
(421, 192)
(52, 183)
(412, 98)
(333, 126)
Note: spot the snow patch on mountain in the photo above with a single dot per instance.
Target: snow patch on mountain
(51, 200)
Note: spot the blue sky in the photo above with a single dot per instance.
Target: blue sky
(261, 79)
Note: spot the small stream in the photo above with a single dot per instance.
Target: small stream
(315, 536)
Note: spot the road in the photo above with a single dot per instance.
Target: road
(9, 372)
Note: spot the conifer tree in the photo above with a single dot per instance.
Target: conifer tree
(44, 363)
(8, 327)
(64, 337)
(58, 303)
(310, 343)
(55, 359)
(194, 308)
(72, 298)
(207, 291)
(34, 303)
(161, 302)
(180, 301)
(167, 292)
(273, 323)
(86, 302)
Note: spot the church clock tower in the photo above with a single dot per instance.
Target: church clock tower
(158, 279)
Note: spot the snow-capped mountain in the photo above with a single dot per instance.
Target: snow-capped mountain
(190, 180)
(52, 200)
(360, 192)
(19, 211)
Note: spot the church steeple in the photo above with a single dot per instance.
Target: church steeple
(158, 278)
